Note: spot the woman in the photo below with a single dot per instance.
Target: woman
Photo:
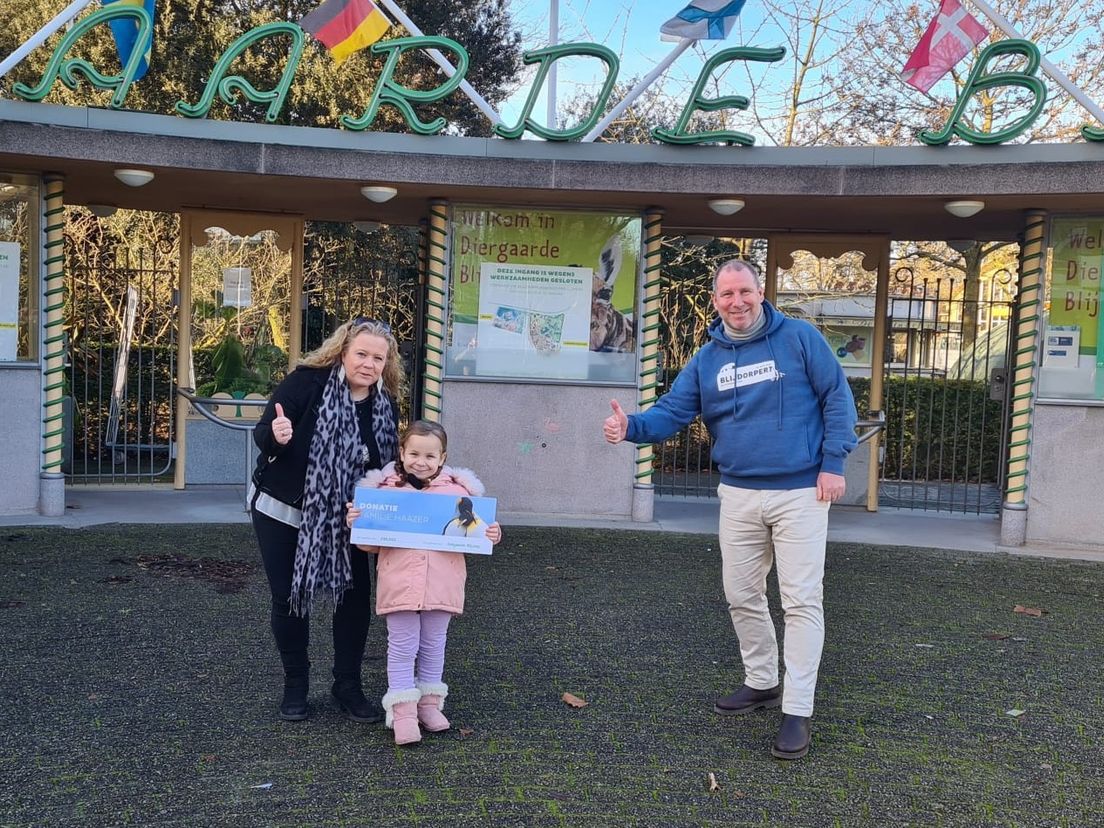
(331, 420)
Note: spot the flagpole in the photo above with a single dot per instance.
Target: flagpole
(36, 40)
(1056, 74)
(553, 39)
(443, 62)
(636, 91)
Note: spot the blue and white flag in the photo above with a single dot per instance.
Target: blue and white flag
(125, 31)
(703, 20)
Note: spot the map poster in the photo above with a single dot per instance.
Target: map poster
(534, 321)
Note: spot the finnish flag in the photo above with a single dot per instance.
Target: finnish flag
(703, 20)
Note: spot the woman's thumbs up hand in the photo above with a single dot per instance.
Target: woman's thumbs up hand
(281, 427)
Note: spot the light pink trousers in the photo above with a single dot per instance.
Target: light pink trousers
(789, 528)
(416, 637)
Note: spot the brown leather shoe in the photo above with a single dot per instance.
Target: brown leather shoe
(747, 699)
(792, 741)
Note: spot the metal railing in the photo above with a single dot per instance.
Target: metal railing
(203, 406)
(683, 466)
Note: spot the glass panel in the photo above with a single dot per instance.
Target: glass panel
(240, 312)
(1072, 359)
(19, 211)
(542, 294)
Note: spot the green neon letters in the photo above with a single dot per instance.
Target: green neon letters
(979, 80)
(546, 57)
(69, 69)
(697, 101)
(228, 87)
(387, 91)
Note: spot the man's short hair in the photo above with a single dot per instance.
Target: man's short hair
(737, 264)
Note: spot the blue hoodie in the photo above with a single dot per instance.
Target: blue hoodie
(778, 405)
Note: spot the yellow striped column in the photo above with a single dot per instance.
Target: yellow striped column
(52, 485)
(423, 250)
(416, 395)
(436, 284)
(643, 490)
(1024, 350)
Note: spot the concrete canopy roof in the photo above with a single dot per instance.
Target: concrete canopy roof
(317, 173)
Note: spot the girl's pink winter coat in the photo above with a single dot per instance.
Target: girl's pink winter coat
(421, 579)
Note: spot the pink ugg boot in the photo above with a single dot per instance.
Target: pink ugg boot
(402, 715)
(431, 705)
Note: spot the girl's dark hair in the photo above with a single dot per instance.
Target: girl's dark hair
(466, 511)
(425, 428)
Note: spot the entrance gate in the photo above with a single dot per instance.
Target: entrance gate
(946, 393)
(121, 323)
(121, 327)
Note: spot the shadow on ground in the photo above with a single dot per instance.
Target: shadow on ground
(139, 686)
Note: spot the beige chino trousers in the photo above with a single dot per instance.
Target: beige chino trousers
(790, 528)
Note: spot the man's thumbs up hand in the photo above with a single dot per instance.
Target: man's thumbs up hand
(616, 424)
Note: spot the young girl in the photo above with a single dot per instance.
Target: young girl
(419, 590)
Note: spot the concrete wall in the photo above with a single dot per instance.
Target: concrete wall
(1066, 476)
(216, 454)
(21, 436)
(539, 448)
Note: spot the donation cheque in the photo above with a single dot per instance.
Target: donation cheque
(423, 520)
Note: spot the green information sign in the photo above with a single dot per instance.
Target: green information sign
(1072, 356)
(1078, 257)
(543, 293)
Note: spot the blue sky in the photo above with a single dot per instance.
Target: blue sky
(631, 29)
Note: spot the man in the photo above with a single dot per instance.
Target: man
(775, 400)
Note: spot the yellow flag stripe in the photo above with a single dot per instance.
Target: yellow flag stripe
(368, 32)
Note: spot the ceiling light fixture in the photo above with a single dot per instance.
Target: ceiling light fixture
(134, 178)
(726, 206)
(379, 194)
(101, 210)
(964, 209)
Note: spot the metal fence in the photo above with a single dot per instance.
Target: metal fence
(121, 325)
(945, 401)
(946, 393)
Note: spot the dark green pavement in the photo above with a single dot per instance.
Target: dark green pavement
(139, 683)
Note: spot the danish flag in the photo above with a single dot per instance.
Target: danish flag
(948, 39)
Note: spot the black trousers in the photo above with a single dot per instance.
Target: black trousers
(292, 633)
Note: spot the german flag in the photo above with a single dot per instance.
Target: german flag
(345, 26)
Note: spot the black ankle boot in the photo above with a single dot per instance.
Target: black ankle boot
(748, 699)
(293, 707)
(793, 738)
(351, 699)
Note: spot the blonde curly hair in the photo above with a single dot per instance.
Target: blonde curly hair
(329, 353)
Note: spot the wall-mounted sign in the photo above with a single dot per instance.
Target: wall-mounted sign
(1072, 356)
(237, 287)
(9, 300)
(1075, 267)
(543, 294)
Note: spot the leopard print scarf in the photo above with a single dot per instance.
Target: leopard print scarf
(384, 428)
(334, 464)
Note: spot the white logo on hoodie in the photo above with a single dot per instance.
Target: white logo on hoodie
(728, 377)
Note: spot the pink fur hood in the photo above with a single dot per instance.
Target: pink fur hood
(448, 479)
